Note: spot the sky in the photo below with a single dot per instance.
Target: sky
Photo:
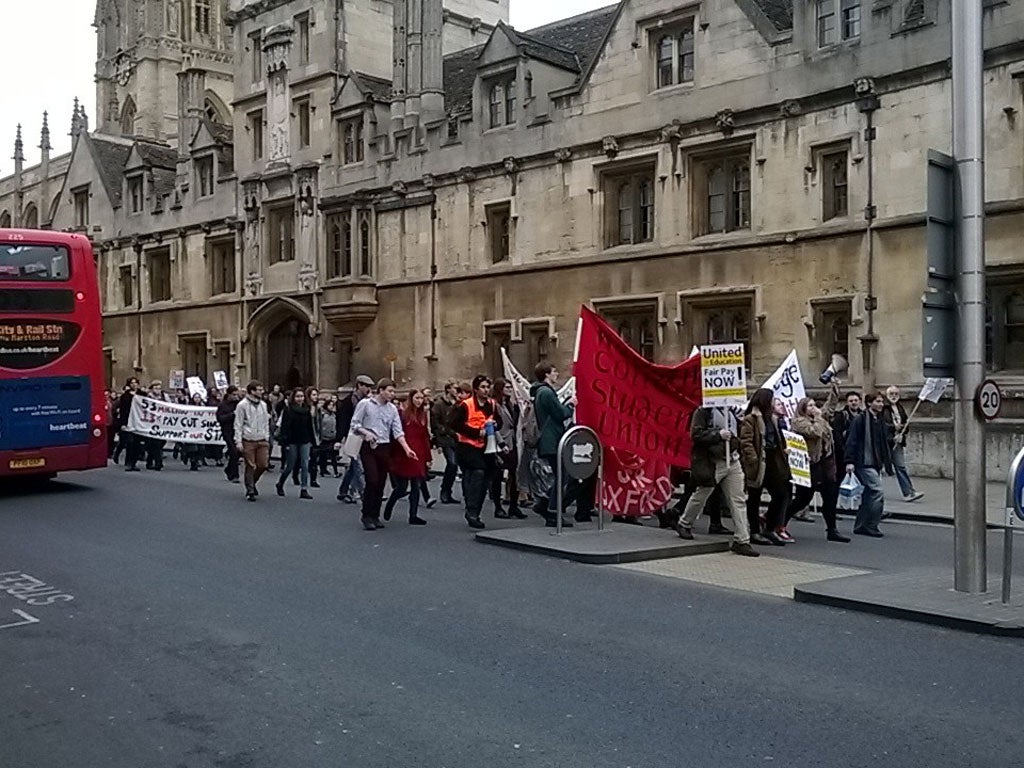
(48, 54)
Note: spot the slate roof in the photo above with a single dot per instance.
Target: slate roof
(157, 155)
(573, 44)
(110, 157)
(163, 181)
(222, 134)
(779, 13)
(377, 87)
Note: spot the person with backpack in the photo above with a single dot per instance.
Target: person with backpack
(550, 417)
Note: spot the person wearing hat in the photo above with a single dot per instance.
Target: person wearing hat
(353, 478)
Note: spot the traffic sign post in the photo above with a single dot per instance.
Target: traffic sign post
(989, 399)
(1014, 516)
(580, 456)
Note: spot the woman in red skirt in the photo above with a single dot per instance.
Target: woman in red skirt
(409, 476)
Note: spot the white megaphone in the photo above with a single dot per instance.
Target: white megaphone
(836, 368)
(492, 438)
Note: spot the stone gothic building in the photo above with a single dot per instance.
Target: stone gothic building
(302, 190)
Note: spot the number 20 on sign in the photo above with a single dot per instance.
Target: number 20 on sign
(723, 375)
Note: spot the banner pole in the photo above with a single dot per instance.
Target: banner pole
(906, 426)
(728, 443)
(600, 489)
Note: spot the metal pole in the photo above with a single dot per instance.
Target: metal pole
(1012, 504)
(1007, 562)
(559, 489)
(600, 488)
(970, 572)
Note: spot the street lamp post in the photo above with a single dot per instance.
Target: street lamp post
(970, 570)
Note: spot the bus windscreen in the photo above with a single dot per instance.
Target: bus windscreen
(36, 263)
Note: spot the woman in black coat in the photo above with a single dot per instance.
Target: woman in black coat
(296, 435)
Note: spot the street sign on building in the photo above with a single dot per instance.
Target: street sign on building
(938, 337)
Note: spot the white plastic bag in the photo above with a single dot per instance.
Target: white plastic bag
(850, 492)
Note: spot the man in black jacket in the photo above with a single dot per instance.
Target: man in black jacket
(226, 419)
(868, 454)
(133, 448)
(715, 431)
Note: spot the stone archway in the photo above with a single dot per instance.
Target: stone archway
(283, 351)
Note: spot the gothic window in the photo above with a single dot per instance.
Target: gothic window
(221, 255)
(302, 117)
(352, 142)
(302, 37)
(255, 126)
(365, 245)
(30, 218)
(832, 330)
(835, 195)
(203, 13)
(215, 110)
(80, 199)
(5, 220)
(193, 356)
(496, 338)
(674, 55)
(637, 325)
(159, 261)
(256, 55)
(499, 231)
(281, 230)
(629, 206)
(127, 282)
(339, 240)
(136, 196)
(128, 117)
(837, 20)
(723, 187)
(501, 100)
(1004, 345)
(728, 325)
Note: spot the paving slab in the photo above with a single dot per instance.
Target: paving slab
(765, 575)
(924, 595)
(615, 544)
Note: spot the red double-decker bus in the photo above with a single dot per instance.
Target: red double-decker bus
(52, 409)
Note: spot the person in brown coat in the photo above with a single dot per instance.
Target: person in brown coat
(765, 467)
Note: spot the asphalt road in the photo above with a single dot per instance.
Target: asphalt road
(205, 631)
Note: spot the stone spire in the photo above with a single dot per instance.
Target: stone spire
(76, 120)
(44, 136)
(19, 152)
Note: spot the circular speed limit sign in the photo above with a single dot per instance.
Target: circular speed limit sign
(989, 399)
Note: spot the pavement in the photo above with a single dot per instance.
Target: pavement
(198, 630)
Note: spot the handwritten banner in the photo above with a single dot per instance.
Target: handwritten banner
(176, 423)
(799, 458)
(788, 383)
(723, 375)
(632, 404)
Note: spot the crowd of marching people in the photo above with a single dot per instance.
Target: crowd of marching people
(382, 451)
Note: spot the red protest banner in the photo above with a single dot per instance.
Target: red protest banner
(634, 405)
(640, 412)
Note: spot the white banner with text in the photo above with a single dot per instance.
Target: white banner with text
(175, 423)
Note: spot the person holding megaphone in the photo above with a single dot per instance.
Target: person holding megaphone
(476, 423)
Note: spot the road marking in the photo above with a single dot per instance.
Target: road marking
(28, 619)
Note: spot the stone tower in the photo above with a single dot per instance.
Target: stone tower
(142, 47)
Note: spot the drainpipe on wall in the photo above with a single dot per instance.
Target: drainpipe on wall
(432, 357)
(138, 300)
(868, 103)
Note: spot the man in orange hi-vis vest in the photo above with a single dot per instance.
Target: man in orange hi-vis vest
(471, 420)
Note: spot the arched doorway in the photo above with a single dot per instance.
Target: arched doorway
(282, 349)
(289, 355)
